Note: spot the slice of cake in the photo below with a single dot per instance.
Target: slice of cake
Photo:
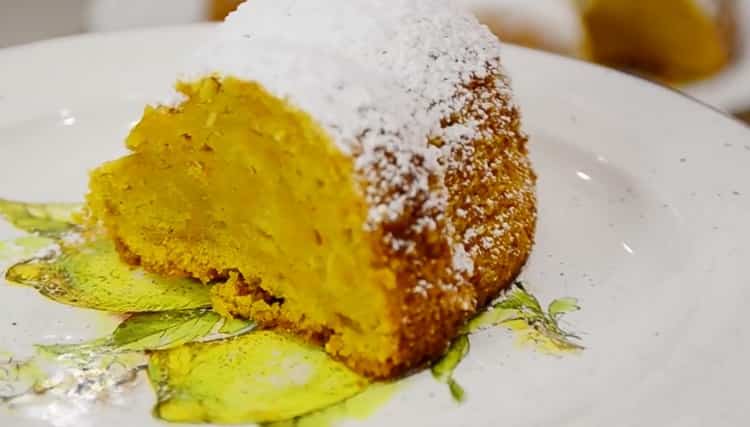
(349, 170)
(674, 39)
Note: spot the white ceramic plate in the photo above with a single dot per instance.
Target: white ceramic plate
(644, 199)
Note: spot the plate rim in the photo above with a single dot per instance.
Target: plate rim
(706, 110)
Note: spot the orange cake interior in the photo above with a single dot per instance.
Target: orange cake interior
(267, 203)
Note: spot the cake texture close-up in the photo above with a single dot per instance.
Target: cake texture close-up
(351, 171)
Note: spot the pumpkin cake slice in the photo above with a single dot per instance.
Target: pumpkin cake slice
(352, 171)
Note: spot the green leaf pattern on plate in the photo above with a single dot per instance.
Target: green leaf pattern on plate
(164, 330)
(23, 247)
(236, 326)
(47, 219)
(359, 407)
(90, 274)
(444, 368)
(521, 312)
(262, 376)
(252, 376)
(562, 306)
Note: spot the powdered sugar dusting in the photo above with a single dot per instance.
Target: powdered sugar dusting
(461, 260)
(382, 77)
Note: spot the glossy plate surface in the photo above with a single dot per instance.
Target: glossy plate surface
(644, 199)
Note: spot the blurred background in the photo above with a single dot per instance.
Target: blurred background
(24, 21)
(701, 47)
